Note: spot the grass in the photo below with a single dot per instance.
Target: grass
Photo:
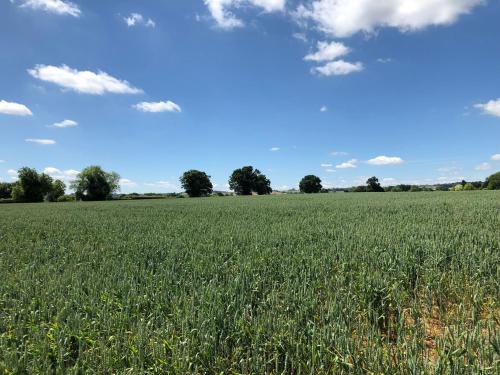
(332, 283)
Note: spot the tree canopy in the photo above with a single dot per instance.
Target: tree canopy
(372, 185)
(31, 186)
(94, 184)
(493, 182)
(310, 184)
(246, 180)
(196, 183)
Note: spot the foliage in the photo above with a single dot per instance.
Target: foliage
(66, 198)
(58, 189)
(246, 180)
(196, 183)
(468, 186)
(493, 182)
(458, 187)
(360, 189)
(310, 184)
(309, 284)
(6, 190)
(373, 186)
(31, 186)
(94, 184)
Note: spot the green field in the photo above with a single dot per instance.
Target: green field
(388, 283)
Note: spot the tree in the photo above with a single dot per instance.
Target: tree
(58, 189)
(310, 184)
(493, 182)
(196, 183)
(5, 190)
(94, 184)
(246, 180)
(458, 187)
(31, 186)
(372, 185)
(468, 186)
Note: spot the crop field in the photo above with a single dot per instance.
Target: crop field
(393, 283)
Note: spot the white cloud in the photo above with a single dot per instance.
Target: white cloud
(348, 164)
(344, 18)
(136, 19)
(330, 170)
(338, 153)
(388, 180)
(328, 52)
(2, 161)
(274, 149)
(491, 108)
(338, 68)
(14, 109)
(225, 19)
(41, 141)
(386, 160)
(64, 124)
(483, 167)
(12, 173)
(54, 6)
(67, 175)
(323, 108)
(155, 107)
(125, 182)
(85, 82)
(384, 61)
(326, 165)
(495, 157)
(300, 36)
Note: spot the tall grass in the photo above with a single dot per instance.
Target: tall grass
(332, 283)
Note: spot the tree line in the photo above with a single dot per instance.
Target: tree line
(95, 184)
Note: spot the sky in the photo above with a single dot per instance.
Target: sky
(408, 91)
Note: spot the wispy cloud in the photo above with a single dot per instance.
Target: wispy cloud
(490, 108)
(328, 52)
(483, 167)
(14, 109)
(348, 164)
(67, 175)
(64, 124)
(386, 160)
(135, 19)
(338, 68)
(53, 6)
(326, 165)
(274, 149)
(338, 153)
(156, 107)
(495, 157)
(323, 108)
(41, 141)
(84, 82)
(125, 182)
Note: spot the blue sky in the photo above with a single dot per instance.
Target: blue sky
(345, 89)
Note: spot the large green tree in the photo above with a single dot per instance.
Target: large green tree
(6, 190)
(246, 180)
(95, 184)
(57, 190)
(196, 183)
(31, 186)
(372, 185)
(493, 182)
(310, 184)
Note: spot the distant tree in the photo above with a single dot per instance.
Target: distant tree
(360, 189)
(458, 187)
(310, 184)
(493, 182)
(31, 186)
(415, 188)
(404, 187)
(246, 180)
(468, 186)
(196, 183)
(94, 184)
(372, 185)
(57, 190)
(6, 190)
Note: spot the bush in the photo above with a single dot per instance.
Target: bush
(66, 198)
